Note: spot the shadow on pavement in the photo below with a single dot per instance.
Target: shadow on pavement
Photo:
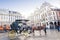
(15, 39)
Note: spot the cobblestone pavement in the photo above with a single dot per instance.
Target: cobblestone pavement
(51, 35)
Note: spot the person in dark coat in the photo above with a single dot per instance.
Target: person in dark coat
(14, 26)
(58, 26)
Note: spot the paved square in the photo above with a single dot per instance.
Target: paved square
(51, 35)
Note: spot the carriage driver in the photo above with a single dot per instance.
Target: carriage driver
(44, 28)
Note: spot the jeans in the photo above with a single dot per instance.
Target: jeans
(58, 27)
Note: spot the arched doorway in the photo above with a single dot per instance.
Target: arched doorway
(51, 25)
(58, 22)
(55, 24)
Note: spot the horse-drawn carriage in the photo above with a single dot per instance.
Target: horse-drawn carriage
(21, 26)
(18, 27)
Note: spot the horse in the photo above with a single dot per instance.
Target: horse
(39, 28)
(27, 28)
(32, 29)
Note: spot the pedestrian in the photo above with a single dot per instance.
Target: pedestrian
(45, 29)
(58, 26)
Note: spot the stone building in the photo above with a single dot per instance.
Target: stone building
(7, 16)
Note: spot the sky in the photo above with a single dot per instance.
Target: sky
(25, 7)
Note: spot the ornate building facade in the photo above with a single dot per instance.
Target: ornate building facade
(44, 15)
(7, 16)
